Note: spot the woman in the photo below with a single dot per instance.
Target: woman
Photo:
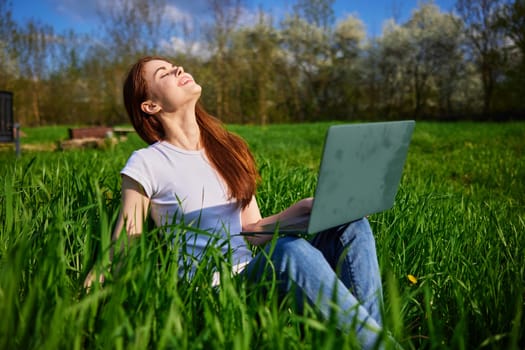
(194, 171)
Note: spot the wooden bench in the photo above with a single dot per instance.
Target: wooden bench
(94, 137)
(122, 132)
(9, 130)
(88, 137)
(97, 132)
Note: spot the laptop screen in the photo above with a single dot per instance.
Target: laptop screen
(360, 171)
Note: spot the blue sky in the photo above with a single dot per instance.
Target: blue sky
(80, 15)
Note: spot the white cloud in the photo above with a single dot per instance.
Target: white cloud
(77, 10)
(251, 16)
(176, 14)
(177, 45)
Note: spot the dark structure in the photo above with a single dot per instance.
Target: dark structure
(9, 131)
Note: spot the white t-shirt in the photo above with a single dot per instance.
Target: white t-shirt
(183, 187)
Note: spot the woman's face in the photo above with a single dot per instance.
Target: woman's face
(170, 88)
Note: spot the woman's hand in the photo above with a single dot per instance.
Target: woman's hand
(305, 205)
(251, 217)
(91, 278)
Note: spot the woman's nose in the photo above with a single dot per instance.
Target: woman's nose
(178, 71)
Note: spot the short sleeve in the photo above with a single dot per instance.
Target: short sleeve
(137, 169)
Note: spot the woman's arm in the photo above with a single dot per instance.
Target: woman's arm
(133, 211)
(251, 216)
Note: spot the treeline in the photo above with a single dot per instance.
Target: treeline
(305, 66)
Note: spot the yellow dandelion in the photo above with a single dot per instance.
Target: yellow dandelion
(412, 279)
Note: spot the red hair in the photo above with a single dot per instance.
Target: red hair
(228, 152)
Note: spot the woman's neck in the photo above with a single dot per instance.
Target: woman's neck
(182, 130)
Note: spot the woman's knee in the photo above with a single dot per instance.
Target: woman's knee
(359, 229)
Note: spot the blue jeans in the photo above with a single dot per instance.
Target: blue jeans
(338, 265)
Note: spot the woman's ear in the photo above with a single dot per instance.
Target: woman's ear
(149, 107)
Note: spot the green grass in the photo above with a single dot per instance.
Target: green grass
(44, 134)
(458, 225)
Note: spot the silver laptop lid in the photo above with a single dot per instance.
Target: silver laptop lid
(360, 171)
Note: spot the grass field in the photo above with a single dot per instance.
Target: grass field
(457, 228)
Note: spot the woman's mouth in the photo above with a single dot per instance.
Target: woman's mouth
(186, 79)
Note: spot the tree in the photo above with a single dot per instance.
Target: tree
(320, 13)
(511, 21)
(306, 37)
(8, 68)
(347, 71)
(308, 49)
(226, 15)
(420, 64)
(435, 57)
(33, 45)
(371, 80)
(486, 42)
(135, 27)
(256, 48)
(72, 100)
(131, 28)
(392, 66)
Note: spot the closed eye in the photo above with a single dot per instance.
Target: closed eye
(166, 71)
(169, 71)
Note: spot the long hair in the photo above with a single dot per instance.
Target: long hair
(228, 153)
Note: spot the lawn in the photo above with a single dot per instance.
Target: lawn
(451, 250)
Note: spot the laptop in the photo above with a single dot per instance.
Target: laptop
(359, 175)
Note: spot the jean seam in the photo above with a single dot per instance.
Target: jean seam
(344, 256)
